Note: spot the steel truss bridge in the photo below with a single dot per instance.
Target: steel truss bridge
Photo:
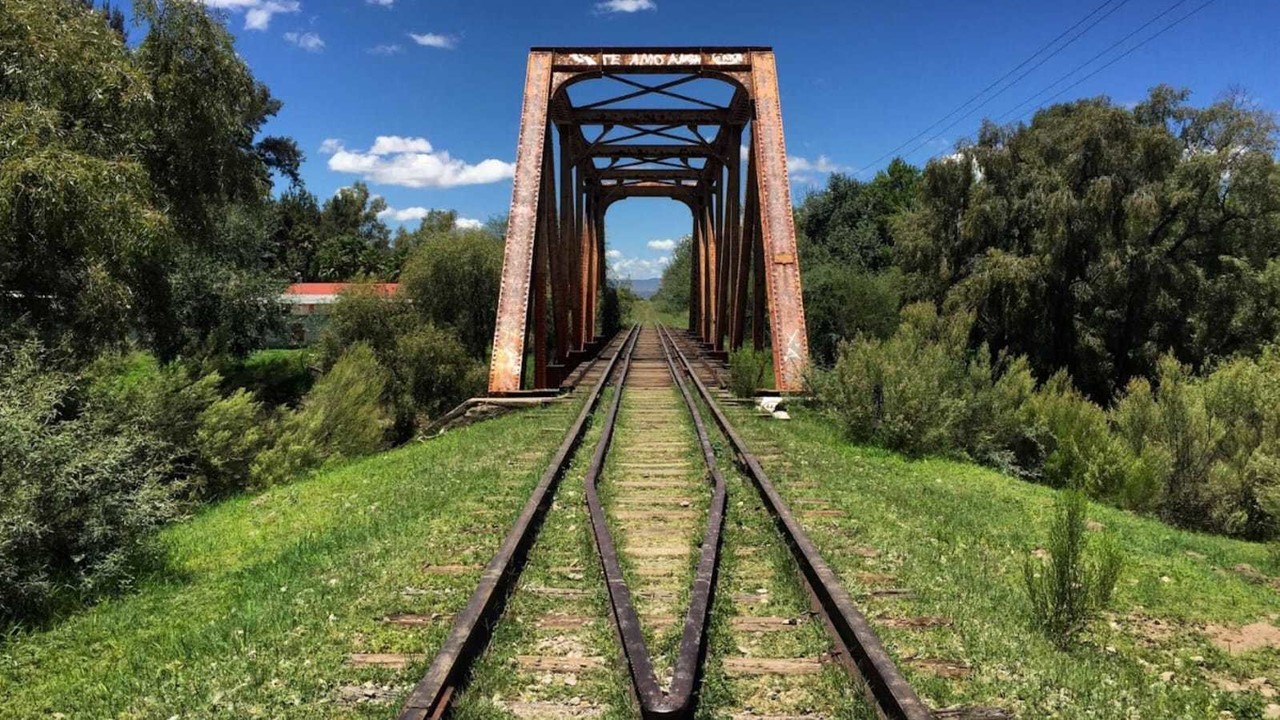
(658, 131)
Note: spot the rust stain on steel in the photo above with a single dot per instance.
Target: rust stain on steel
(470, 631)
(522, 225)
(786, 307)
(859, 648)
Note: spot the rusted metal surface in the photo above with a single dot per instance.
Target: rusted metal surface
(689, 152)
(859, 648)
(678, 699)
(782, 271)
(507, 363)
(470, 631)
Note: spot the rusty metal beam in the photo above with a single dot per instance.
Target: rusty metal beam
(656, 151)
(647, 116)
(652, 60)
(522, 224)
(782, 268)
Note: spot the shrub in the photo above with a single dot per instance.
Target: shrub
(341, 417)
(842, 302)
(276, 377)
(748, 370)
(432, 372)
(1079, 448)
(80, 494)
(1077, 579)
(452, 281)
(429, 369)
(230, 435)
(905, 392)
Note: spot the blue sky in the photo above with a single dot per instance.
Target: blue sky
(441, 80)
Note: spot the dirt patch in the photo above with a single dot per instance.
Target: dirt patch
(1152, 631)
(1260, 685)
(1255, 636)
(366, 693)
(941, 667)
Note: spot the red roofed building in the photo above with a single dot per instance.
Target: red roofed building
(309, 304)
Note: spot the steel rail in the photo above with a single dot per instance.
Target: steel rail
(679, 700)
(432, 696)
(860, 649)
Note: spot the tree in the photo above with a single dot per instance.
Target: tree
(452, 280)
(81, 233)
(673, 288)
(848, 223)
(1096, 237)
(354, 241)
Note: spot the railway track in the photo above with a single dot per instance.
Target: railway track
(659, 575)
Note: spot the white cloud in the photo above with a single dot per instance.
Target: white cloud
(310, 41)
(383, 3)
(635, 268)
(330, 146)
(257, 13)
(386, 49)
(435, 40)
(411, 214)
(625, 6)
(663, 245)
(797, 165)
(392, 144)
(412, 162)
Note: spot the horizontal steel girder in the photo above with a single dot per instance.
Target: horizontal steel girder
(612, 150)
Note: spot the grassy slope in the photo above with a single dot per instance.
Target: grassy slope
(265, 596)
(958, 535)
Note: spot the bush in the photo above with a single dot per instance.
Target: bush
(452, 281)
(1079, 448)
(906, 392)
(80, 494)
(276, 377)
(230, 435)
(341, 417)
(1078, 577)
(748, 370)
(433, 373)
(842, 302)
(429, 369)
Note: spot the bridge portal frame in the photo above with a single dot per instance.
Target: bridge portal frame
(744, 247)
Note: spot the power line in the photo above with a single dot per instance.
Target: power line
(1109, 63)
(1015, 69)
(1074, 70)
(1111, 47)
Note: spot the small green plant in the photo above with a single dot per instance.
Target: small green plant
(747, 368)
(1078, 577)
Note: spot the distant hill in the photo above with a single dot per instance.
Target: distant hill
(644, 287)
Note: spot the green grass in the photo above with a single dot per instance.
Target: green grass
(263, 597)
(957, 535)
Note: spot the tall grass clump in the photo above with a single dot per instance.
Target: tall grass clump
(1078, 577)
(748, 369)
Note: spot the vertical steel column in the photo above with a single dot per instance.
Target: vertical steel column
(569, 245)
(695, 260)
(539, 306)
(782, 270)
(584, 265)
(746, 246)
(517, 262)
(555, 258)
(708, 271)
